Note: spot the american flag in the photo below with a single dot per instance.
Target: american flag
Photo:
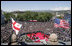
(61, 23)
(16, 26)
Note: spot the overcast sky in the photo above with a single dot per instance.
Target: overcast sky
(35, 5)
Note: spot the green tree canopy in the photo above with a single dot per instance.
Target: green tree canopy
(29, 15)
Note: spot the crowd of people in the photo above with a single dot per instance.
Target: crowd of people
(46, 27)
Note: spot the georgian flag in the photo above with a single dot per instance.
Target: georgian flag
(16, 26)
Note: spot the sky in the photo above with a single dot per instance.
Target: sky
(35, 5)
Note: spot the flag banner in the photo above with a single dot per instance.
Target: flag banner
(16, 26)
(61, 23)
(38, 37)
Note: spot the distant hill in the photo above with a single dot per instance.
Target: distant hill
(50, 11)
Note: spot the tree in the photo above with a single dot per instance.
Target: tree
(29, 15)
(60, 17)
(8, 15)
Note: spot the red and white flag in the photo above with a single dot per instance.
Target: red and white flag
(16, 26)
